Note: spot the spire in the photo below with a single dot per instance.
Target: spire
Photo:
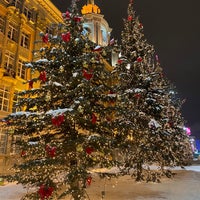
(90, 7)
(90, 2)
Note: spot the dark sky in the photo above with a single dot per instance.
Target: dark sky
(173, 27)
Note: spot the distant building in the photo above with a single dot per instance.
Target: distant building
(95, 23)
(98, 27)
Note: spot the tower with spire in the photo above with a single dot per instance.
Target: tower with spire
(94, 22)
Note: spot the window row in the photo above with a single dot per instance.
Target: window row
(5, 99)
(28, 12)
(13, 34)
(10, 68)
(6, 140)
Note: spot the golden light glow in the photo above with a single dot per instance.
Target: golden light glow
(90, 8)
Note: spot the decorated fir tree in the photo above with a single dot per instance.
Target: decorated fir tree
(148, 111)
(64, 124)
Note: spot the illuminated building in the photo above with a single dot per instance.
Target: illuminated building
(98, 27)
(95, 23)
(20, 25)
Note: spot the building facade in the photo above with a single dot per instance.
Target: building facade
(95, 23)
(21, 22)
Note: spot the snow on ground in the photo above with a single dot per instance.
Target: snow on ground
(184, 186)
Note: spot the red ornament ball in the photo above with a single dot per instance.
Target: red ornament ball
(130, 18)
(139, 59)
(45, 192)
(66, 37)
(89, 180)
(89, 150)
(45, 38)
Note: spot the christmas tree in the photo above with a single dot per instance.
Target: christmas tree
(149, 113)
(65, 123)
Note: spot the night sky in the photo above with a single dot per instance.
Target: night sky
(173, 28)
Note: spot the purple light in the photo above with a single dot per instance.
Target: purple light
(188, 131)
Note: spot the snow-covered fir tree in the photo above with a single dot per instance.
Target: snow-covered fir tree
(65, 123)
(149, 113)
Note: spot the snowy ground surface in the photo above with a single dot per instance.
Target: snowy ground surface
(184, 186)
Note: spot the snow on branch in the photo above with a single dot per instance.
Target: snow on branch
(154, 124)
(58, 112)
(21, 113)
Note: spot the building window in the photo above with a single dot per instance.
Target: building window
(14, 147)
(21, 69)
(12, 32)
(28, 13)
(2, 24)
(9, 60)
(16, 3)
(25, 40)
(9, 64)
(15, 100)
(4, 98)
(3, 141)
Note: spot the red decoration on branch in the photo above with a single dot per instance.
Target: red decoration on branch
(140, 26)
(45, 192)
(23, 153)
(139, 59)
(119, 61)
(43, 76)
(67, 15)
(45, 38)
(130, 18)
(89, 180)
(112, 41)
(89, 150)
(30, 84)
(94, 118)
(58, 120)
(98, 48)
(51, 151)
(77, 19)
(137, 95)
(66, 37)
(87, 75)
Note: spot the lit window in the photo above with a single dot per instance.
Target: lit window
(28, 13)
(48, 30)
(9, 64)
(9, 60)
(15, 99)
(17, 3)
(21, 70)
(2, 24)
(12, 32)
(14, 147)
(25, 40)
(3, 141)
(4, 98)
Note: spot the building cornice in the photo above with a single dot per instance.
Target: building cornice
(52, 9)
